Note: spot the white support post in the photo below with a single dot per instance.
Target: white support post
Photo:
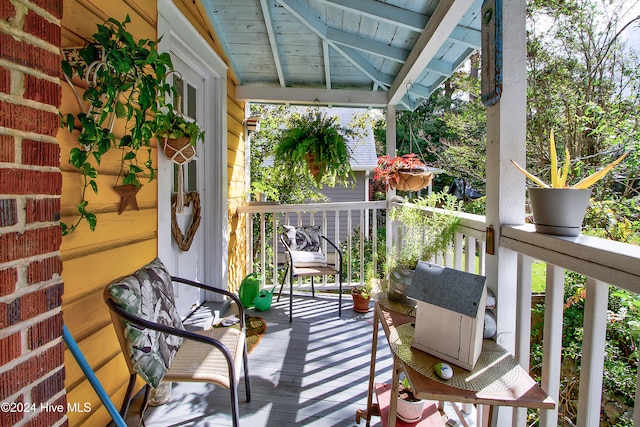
(552, 351)
(391, 152)
(506, 140)
(593, 344)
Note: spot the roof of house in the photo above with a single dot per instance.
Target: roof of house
(362, 148)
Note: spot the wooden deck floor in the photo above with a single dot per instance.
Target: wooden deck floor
(312, 372)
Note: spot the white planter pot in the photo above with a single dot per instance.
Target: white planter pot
(559, 211)
(410, 411)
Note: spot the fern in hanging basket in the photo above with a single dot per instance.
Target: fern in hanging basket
(317, 142)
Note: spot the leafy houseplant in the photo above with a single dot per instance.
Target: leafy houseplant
(423, 236)
(319, 142)
(556, 207)
(179, 136)
(404, 172)
(125, 81)
(361, 297)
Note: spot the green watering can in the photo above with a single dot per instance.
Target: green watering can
(249, 289)
(263, 301)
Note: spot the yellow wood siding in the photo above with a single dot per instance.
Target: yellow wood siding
(122, 243)
(236, 191)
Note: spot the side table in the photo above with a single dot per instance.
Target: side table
(524, 392)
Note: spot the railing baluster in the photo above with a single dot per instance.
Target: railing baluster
(523, 325)
(274, 238)
(263, 247)
(470, 251)
(593, 347)
(457, 251)
(362, 237)
(552, 352)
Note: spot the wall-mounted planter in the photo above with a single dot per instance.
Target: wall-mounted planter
(559, 211)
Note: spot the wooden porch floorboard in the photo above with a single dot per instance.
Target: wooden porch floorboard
(312, 372)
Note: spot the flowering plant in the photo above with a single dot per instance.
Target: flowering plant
(388, 168)
(559, 176)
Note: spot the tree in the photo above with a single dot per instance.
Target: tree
(583, 82)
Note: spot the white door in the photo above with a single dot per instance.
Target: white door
(190, 264)
(203, 79)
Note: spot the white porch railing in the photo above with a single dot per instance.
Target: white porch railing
(337, 221)
(603, 262)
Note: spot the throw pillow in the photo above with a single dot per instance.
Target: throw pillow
(148, 293)
(306, 238)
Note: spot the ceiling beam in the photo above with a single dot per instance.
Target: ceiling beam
(289, 95)
(466, 35)
(327, 64)
(441, 24)
(367, 45)
(304, 15)
(268, 22)
(382, 12)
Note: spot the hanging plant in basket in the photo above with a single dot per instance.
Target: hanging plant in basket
(317, 142)
(179, 137)
(404, 173)
(124, 82)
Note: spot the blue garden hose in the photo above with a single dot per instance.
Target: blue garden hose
(91, 376)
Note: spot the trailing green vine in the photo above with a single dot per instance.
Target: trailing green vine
(126, 81)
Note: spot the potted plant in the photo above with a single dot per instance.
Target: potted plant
(409, 408)
(557, 207)
(361, 298)
(317, 141)
(179, 136)
(124, 81)
(422, 236)
(405, 173)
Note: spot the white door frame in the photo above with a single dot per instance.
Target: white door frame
(179, 36)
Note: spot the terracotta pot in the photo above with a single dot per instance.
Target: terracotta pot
(313, 167)
(360, 303)
(559, 211)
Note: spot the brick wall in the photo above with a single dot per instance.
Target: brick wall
(31, 348)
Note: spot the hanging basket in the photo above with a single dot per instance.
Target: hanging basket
(412, 180)
(313, 166)
(179, 150)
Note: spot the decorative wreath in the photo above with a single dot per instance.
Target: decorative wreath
(184, 242)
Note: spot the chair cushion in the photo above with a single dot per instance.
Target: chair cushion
(148, 293)
(305, 238)
(308, 259)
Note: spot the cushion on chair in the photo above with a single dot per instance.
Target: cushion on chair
(148, 293)
(305, 238)
(308, 259)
